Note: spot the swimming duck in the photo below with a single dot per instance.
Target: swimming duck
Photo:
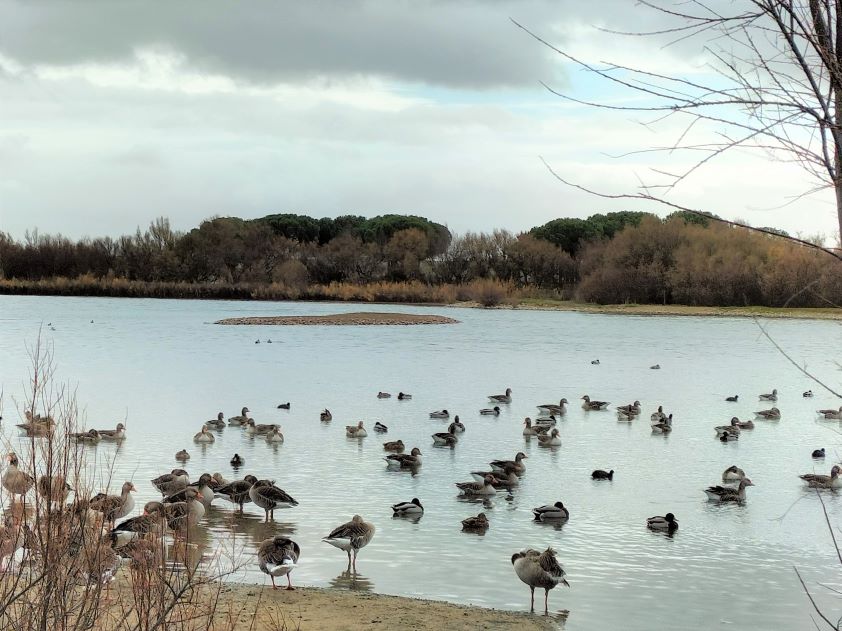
(356, 431)
(182, 456)
(237, 492)
(816, 481)
(394, 445)
(37, 425)
(662, 427)
(818, 453)
(506, 479)
(552, 408)
(517, 464)
(404, 461)
(268, 496)
(745, 424)
(667, 523)
(440, 414)
(325, 416)
(632, 409)
(278, 556)
(284, 406)
(528, 430)
(658, 415)
(542, 424)
(113, 507)
(771, 396)
(732, 399)
(600, 474)
(413, 507)
(204, 436)
(241, 419)
(14, 480)
(555, 512)
(495, 411)
(351, 537)
(539, 569)
(445, 438)
(595, 362)
(733, 474)
(807, 394)
(733, 428)
(728, 436)
(477, 488)
(384, 395)
(171, 482)
(456, 427)
(379, 427)
(727, 494)
(119, 433)
(402, 396)
(655, 367)
(480, 522)
(589, 405)
(218, 422)
(90, 437)
(502, 398)
(253, 428)
(552, 440)
(275, 436)
(237, 461)
(773, 414)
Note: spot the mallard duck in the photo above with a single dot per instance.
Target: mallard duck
(14, 480)
(745, 424)
(53, 488)
(456, 427)
(284, 406)
(817, 481)
(667, 523)
(403, 396)
(384, 395)
(662, 427)
(589, 405)
(733, 428)
(237, 492)
(204, 436)
(773, 414)
(600, 474)
(733, 474)
(445, 438)
(807, 394)
(394, 445)
(90, 437)
(113, 507)
(480, 522)
(351, 537)
(728, 437)
(241, 419)
(543, 423)
(528, 430)
(356, 431)
(237, 461)
(404, 461)
(274, 436)
(552, 408)
(182, 456)
(658, 415)
(495, 411)
(818, 453)
(325, 416)
(595, 362)
(552, 440)
(501, 398)
(254, 429)
(118, 433)
(517, 465)
(632, 409)
(379, 427)
(655, 367)
(728, 494)
(506, 479)
(539, 569)
(171, 482)
(218, 422)
(732, 399)
(477, 488)
(413, 507)
(440, 414)
(278, 556)
(771, 396)
(269, 497)
(551, 512)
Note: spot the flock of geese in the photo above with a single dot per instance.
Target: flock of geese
(184, 502)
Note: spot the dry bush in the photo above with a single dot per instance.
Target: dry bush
(491, 293)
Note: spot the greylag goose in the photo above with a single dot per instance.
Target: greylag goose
(477, 488)
(517, 465)
(113, 507)
(771, 396)
(171, 482)
(538, 569)
(830, 414)
(542, 424)
(499, 479)
(445, 438)
(12, 535)
(501, 398)
(404, 461)
(237, 460)
(351, 537)
(384, 395)
(203, 488)
(589, 405)
(412, 507)
(150, 522)
(394, 445)
(632, 409)
(773, 414)
(218, 422)
(90, 437)
(284, 406)
(379, 427)
(818, 453)
(600, 474)
(745, 424)
(37, 425)
(182, 456)
(267, 496)
(278, 556)
(495, 411)
(118, 433)
(275, 436)
(237, 492)
(732, 399)
(553, 440)
(403, 396)
(528, 430)
(14, 480)
(552, 408)
(733, 474)
(241, 419)
(53, 488)
(325, 416)
(658, 415)
(817, 481)
(182, 516)
(356, 431)
(253, 428)
(480, 522)
(554, 512)
(440, 414)
(728, 494)
(204, 436)
(667, 523)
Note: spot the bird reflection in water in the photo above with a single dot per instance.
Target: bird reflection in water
(352, 581)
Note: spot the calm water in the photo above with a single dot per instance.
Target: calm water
(165, 368)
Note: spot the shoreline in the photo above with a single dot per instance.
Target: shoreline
(356, 318)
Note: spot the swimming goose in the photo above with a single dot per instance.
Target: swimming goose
(182, 455)
(600, 474)
(658, 415)
(284, 406)
(14, 480)
(37, 425)
(351, 537)
(727, 494)
(456, 427)
(506, 479)
(379, 427)
(402, 396)
(237, 492)
(445, 438)
(662, 427)
(817, 481)
(241, 419)
(480, 522)
(325, 416)
(267, 496)
(404, 461)
(440, 414)
(807, 394)
(517, 465)
(733, 474)
(818, 453)
(552, 408)
(384, 395)
(477, 488)
(119, 433)
(632, 409)
(171, 482)
(556, 512)
(413, 507)
(237, 461)
(733, 428)
(502, 398)
(278, 556)
(393, 445)
(113, 507)
(667, 523)
(53, 488)
(218, 422)
(357, 431)
(771, 396)
(773, 414)
(732, 399)
(495, 411)
(528, 430)
(552, 440)
(253, 428)
(829, 414)
(543, 423)
(275, 436)
(204, 436)
(593, 405)
(90, 437)
(538, 569)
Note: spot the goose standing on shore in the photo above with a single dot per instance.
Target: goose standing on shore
(413, 507)
(113, 507)
(241, 419)
(551, 512)
(539, 569)
(589, 405)
(501, 398)
(204, 436)
(278, 556)
(356, 431)
(351, 537)
(14, 480)
(269, 497)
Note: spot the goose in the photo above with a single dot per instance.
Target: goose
(773, 414)
(253, 428)
(384, 395)
(833, 416)
(555, 512)
(90, 437)
(589, 405)
(182, 456)
(517, 465)
(655, 367)
(440, 414)
(528, 430)
(275, 436)
(413, 507)
(829, 413)
(218, 481)
(495, 411)
(745, 424)
(552, 440)
(733, 474)
(599, 474)
(118, 433)
(402, 396)
(278, 556)
(539, 569)
(12, 535)
(284, 406)
(204, 436)
(379, 427)
(204, 492)
(658, 415)
(807, 394)
(818, 453)
(358, 431)
(732, 399)
(237, 492)
(499, 479)
(501, 398)
(171, 482)
(456, 427)
(477, 488)
(325, 416)
(632, 409)
(771, 396)
(480, 522)
(727, 494)
(445, 438)
(14, 480)
(667, 523)
(113, 507)
(662, 427)
(181, 516)
(237, 460)
(624, 416)
(269, 497)
(241, 419)
(733, 428)
(53, 488)
(351, 537)
(150, 522)
(192, 498)
(552, 408)
(542, 424)
(218, 422)
(394, 445)
(37, 425)
(816, 481)
(404, 461)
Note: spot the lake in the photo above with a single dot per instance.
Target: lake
(164, 368)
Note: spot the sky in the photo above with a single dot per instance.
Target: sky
(114, 113)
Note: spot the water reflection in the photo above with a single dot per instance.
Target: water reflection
(353, 581)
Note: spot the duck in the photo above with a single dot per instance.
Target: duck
(284, 406)
(278, 556)
(90, 437)
(539, 569)
(412, 507)
(667, 523)
(829, 413)
(551, 512)
(589, 405)
(182, 456)
(600, 474)
(445, 438)
(15, 481)
(171, 482)
(658, 415)
(517, 465)
(241, 419)
(253, 428)
(218, 422)
(237, 460)
(595, 362)
(733, 399)
(379, 427)
(726, 437)
(506, 479)
(733, 474)
(325, 416)
(552, 440)
(269, 497)
(733, 428)
(204, 436)
(457, 426)
(384, 395)
(773, 414)
(552, 408)
(411, 460)
(356, 431)
(771, 396)
(394, 445)
(53, 488)
(495, 411)
(113, 507)
(816, 481)
(543, 423)
(662, 427)
(480, 522)
(237, 492)
(528, 430)
(655, 367)
(477, 488)
(632, 409)
(440, 414)
(727, 494)
(118, 433)
(818, 453)
(807, 394)
(501, 398)
(745, 424)
(274, 436)
(351, 537)
(403, 396)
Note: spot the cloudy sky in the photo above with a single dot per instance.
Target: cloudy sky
(113, 113)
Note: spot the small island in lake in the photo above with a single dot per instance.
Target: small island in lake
(362, 318)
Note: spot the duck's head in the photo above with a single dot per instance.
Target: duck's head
(415, 451)
(508, 392)
(527, 421)
(357, 519)
(205, 479)
(415, 501)
(250, 479)
(670, 517)
(496, 410)
(244, 411)
(559, 505)
(220, 416)
(554, 433)
(12, 458)
(360, 425)
(120, 426)
(748, 482)
(520, 456)
(179, 472)
(152, 507)
(586, 398)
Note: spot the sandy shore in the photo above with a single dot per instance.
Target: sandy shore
(345, 319)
